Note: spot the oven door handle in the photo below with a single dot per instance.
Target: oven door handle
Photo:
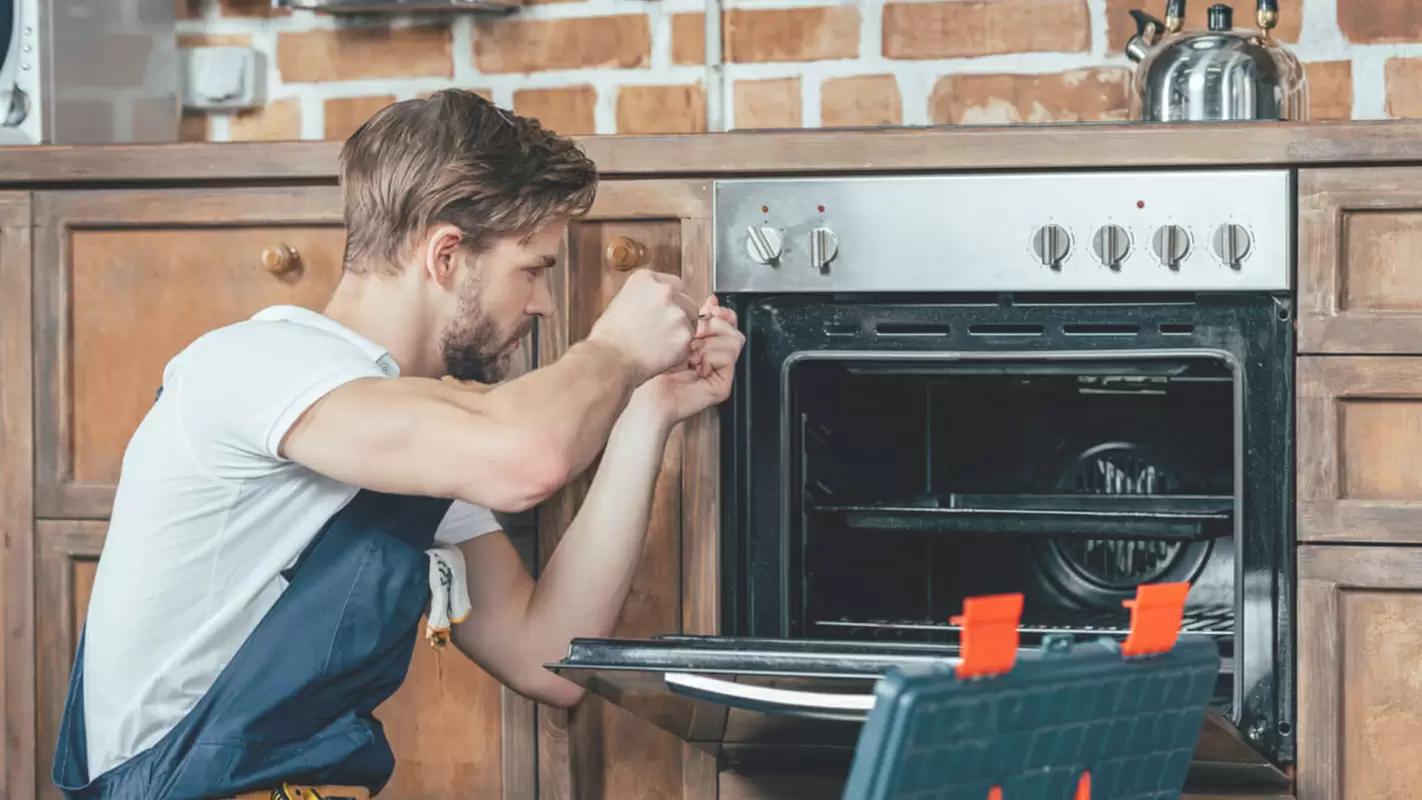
(769, 700)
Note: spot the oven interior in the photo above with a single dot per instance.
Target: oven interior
(917, 482)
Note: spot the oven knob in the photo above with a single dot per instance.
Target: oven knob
(1111, 245)
(1171, 245)
(1052, 244)
(1232, 244)
(763, 244)
(824, 245)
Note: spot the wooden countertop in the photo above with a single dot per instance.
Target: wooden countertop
(1104, 145)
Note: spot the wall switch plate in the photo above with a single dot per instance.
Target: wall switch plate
(223, 78)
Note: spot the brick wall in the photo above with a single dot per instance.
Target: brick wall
(636, 66)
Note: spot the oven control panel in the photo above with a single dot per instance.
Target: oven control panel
(1050, 232)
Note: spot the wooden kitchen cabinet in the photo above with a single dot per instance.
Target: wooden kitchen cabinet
(1359, 680)
(126, 279)
(599, 751)
(1359, 434)
(1360, 260)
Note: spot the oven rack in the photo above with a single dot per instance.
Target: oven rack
(1216, 622)
(1120, 516)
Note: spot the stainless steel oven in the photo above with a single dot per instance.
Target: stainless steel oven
(1064, 385)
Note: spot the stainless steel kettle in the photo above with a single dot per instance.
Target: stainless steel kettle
(1219, 74)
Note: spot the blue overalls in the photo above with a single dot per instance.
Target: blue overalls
(294, 704)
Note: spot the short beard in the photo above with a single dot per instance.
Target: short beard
(470, 344)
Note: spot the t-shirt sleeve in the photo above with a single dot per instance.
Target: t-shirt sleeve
(465, 521)
(240, 389)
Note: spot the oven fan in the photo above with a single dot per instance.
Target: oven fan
(1100, 573)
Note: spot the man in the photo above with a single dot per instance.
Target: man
(266, 564)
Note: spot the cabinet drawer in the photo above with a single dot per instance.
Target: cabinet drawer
(1360, 260)
(1359, 428)
(124, 280)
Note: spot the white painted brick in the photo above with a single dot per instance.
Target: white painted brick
(1320, 40)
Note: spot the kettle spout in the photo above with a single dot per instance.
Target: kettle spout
(1148, 32)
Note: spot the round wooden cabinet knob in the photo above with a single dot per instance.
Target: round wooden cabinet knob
(624, 253)
(281, 259)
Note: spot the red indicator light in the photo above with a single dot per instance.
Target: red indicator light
(822, 208)
(1140, 204)
(764, 209)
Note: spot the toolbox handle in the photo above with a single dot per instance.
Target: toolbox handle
(768, 700)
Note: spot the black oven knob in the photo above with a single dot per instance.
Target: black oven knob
(1052, 244)
(1232, 244)
(763, 244)
(1171, 244)
(1111, 244)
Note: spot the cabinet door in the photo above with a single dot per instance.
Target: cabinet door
(17, 697)
(599, 750)
(1360, 260)
(127, 279)
(1360, 673)
(1359, 428)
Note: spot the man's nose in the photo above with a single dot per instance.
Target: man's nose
(541, 305)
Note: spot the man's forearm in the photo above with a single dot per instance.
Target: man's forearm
(571, 403)
(585, 582)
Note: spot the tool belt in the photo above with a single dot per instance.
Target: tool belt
(291, 791)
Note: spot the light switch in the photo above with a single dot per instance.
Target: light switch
(223, 78)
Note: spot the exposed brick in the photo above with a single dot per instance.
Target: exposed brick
(533, 45)
(661, 109)
(279, 121)
(1083, 95)
(567, 110)
(1120, 26)
(1380, 21)
(688, 38)
(1330, 89)
(345, 114)
(791, 34)
(193, 127)
(767, 104)
(860, 101)
(214, 40)
(966, 28)
(364, 52)
(1403, 80)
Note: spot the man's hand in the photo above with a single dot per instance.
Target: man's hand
(650, 321)
(704, 379)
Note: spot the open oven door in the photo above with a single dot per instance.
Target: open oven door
(792, 704)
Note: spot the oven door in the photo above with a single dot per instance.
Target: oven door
(798, 705)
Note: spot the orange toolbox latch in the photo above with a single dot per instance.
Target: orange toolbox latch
(990, 635)
(1155, 618)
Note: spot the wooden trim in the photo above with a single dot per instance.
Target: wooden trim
(1325, 573)
(652, 199)
(701, 467)
(520, 745)
(1325, 198)
(1323, 514)
(17, 545)
(896, 149)
(56, 216)
(61, 543)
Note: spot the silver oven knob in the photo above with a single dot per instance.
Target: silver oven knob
(763, 244)
(1171, 245)
(1232, 244)
(1111, 244)
(1052, 244)
(824, 245)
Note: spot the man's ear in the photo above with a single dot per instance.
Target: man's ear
(440, 250)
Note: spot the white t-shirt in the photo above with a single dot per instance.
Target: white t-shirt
(207, 516)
